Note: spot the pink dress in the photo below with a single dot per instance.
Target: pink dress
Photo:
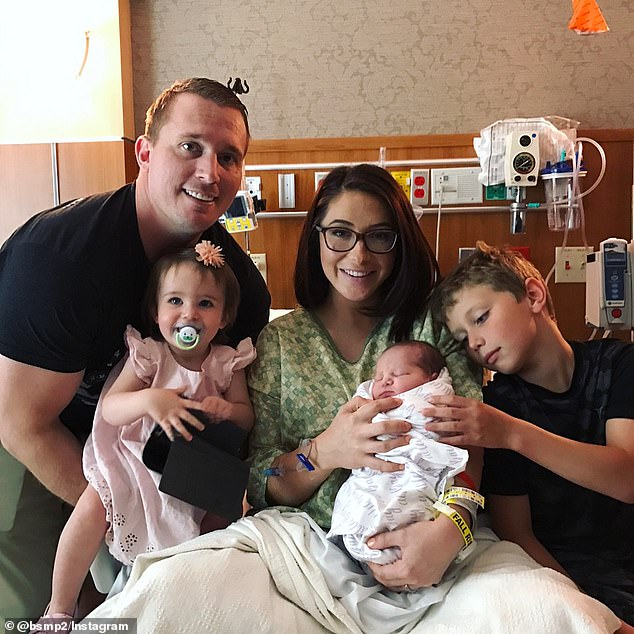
(141, 518)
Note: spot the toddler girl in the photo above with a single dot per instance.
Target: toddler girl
(191, 296)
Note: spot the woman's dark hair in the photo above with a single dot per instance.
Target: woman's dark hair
(405, 292)
(223, 275)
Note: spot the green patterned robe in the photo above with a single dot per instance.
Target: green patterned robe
(299, 381)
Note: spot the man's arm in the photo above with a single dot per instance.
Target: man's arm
(511, 520)
(31, 400)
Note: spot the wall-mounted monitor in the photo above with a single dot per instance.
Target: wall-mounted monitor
(241, 215)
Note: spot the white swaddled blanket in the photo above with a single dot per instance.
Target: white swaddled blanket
(371, 502)
(264, 574)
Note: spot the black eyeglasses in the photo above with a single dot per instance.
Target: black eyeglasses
(341, 239)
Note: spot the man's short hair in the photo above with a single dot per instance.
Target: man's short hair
(206, 88)
(504, 270)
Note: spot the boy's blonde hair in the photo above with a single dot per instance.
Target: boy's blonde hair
(504, 270)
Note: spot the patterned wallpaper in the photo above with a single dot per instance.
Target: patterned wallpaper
(331, 68)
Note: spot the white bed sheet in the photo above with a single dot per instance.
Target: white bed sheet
(260, 576)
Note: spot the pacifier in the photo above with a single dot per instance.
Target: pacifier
(186, 338)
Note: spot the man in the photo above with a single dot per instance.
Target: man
(71, 279)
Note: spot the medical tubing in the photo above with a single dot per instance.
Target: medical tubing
(603, 165)
(577, 195)
(442, 191)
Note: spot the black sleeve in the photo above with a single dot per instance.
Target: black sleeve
(255, 299)
(505, 472)
(621, 400)
(48, 310)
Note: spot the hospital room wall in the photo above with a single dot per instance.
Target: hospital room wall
(358, 68)
(86, 168)
(608, 209)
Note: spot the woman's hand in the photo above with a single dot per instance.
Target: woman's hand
(467, 422)
(427, 550)
(350, 442)
(169, 409)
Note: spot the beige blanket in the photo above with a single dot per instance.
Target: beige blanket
(259, 577)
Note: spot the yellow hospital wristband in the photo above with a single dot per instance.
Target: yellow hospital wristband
(461, 493)
(461, 525)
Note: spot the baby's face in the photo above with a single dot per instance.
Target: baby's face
(397, 371)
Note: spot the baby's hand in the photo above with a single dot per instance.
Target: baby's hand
(217, 408)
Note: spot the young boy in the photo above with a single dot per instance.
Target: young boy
(557, 421)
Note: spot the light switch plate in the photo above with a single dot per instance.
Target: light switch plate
(570, 264)
(286, 190)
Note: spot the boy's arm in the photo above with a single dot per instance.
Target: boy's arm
(605, 469)
(511, 520)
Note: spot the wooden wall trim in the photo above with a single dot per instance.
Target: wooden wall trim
(127, 90)
(346, 144)
(26, 184)
(335, 144)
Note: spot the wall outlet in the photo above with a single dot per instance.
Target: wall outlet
(570, 264)
(419, 187)
(259, 259)
(286, 190)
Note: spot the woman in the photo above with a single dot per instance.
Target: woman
(364, 273)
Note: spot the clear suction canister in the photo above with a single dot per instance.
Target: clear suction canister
(562, 206)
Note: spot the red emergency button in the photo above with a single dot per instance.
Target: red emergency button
(616, 313)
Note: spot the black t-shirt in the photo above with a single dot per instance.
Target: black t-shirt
(587, 532)
(73, 277)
